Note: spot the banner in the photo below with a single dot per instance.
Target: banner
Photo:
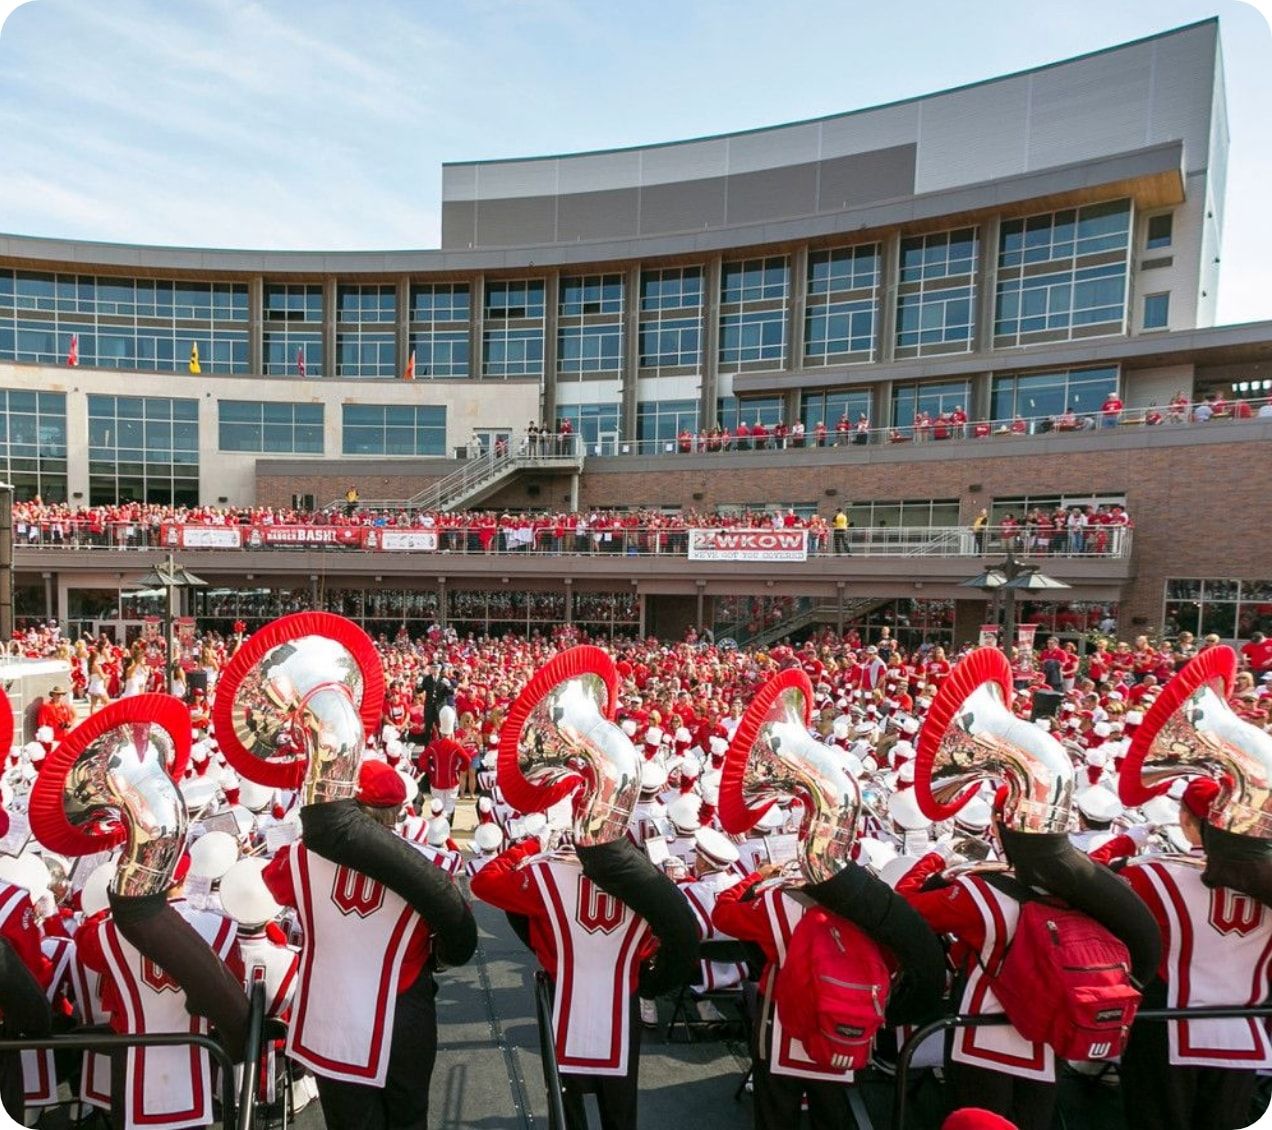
(748, 545)
(260, 536)
(988, 636)
(1025, 634)
(184, 630)
(202, 537)
(400, 541)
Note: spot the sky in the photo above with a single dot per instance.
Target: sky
(323, 124)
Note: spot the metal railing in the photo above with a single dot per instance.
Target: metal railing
(569, 538)
(948, 1023)
(237, 1113)
(934, 431)
(547, 1051)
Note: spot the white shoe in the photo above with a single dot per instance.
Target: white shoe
(708, 1013)
(648, 1013)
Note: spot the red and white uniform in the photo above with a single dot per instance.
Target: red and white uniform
(274, 964)
(984, 921)
(95, 1078)
(587, 941)
(1217, 950)
(701, 895)
(444, 760)
(360, 936)
(39, 1074)
(167, 1087)
(770, 919)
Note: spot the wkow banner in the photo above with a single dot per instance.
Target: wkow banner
(748, 545)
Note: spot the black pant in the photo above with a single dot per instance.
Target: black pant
(778, 1097)
(616, 1095)
(402, 1103)
(1157, 1096)
(11, 1086)
(1028, 1103)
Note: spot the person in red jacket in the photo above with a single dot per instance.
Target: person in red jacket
(445, 760)
(56, 713)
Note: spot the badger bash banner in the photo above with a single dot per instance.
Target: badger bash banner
(748, 545)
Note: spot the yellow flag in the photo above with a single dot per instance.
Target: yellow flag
(194, 357)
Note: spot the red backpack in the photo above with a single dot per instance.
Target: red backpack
(1066, 981)
(832, 990)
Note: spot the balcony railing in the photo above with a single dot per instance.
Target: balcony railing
(709, 543)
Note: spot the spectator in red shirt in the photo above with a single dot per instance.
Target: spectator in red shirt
(1111, 411)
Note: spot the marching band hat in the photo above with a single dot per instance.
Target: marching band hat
(380, 786)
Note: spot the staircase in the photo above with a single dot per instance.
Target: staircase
(477, 479)
(807, 613)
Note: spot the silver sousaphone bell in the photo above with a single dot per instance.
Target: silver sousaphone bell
(1191, 731)
(560, 740)
(971, 736)
(112, 781)
(773, 757)
(295, 703)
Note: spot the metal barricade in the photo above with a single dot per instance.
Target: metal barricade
(547, 1051)
(237, 1113)
(948, 1023)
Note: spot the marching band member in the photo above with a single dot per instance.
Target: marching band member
(594, 909)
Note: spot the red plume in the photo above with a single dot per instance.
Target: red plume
(6, 724)
(287, 629)
(736, 816)
(525, 795)
(48, 816)
(984, 665)
(1217, 665)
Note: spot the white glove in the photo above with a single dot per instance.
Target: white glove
(45, 906)
(1139, 834)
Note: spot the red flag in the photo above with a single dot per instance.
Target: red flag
(72, 354)
(300, 360)
(409, 375)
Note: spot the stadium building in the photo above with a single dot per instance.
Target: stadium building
(1019, 249)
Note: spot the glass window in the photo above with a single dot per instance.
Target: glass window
(669, 342)
(366, 303)
(293, 353)
(393, 429)
(589, 349)
(935, 308)
(268, 426)
(752, 280)
(513, 352)
(831, 406)
(767, 410)
(933, 398)
(663, 420)
(596, 423)
(1035, 396)
(591, 294)
(1156, 311)
(843, 268)
(293, 302)
(675, 288)
(519, 299)
(1159, 231)
(33, 444)
(754, 335)
(440, 302)
(840, 328)
(144, 450)
(440, 353)
(365, 354)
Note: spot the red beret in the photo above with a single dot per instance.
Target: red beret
(1200, 795)
(380, 786)
(183, 868)
(973, 1118)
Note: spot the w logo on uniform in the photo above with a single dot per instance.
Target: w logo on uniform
(354, 893)
(1100, 1050)
(598, 912)
(156, 978)
(1232, 913)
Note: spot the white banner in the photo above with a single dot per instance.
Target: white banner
(748, 545)
(203, 537)
(402, 541)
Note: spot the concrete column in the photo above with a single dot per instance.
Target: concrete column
(979, 407)
(477, 307)
(881, 405)
(403, 323)
(574, 492)
(328, 327)
(701, 585)
(441, 602)
(640, 604)
(48, 596)
(313, 591)
(569, 600)
(710, 367)
(889, 279)
(547, 387)
(256, 325)
(77, 447)
(795, 307)
(986, 284)
(629, 363)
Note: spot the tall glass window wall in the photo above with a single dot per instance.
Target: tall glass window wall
(753, 294)
(936, 293)
(123, 323)
(843, 297)
(513, 336)
(1063, 275)
(439, 321)
(393, 429)
(933, 398)
(596, 423)
(671, 319)
(831, 406)
(659, 422)
(366, 337)
(33, 443)
(1040, 397)
(590, 327)
(143, 449)
(1230, 609)
(293, 330)
(766, 409)
(270, 427)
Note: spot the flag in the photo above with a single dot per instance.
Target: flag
(72, 354)
(194, 358)
(300, 360)
(409, 375)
